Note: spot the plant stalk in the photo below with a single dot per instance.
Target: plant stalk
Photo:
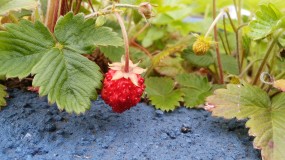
(111, 9)
(216, 19)
(268, 51)
(52, 14)
(226, 35)
(126, 40)
(217, 44)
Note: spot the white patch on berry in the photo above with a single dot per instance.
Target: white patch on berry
(134, 70)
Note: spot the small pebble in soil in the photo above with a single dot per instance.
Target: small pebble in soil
(185, 129)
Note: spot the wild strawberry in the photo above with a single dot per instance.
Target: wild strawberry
(123, 90)
(201, 45)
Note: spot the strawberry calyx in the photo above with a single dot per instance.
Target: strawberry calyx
(120, 72)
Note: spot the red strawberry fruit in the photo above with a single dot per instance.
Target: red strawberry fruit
(123, 90)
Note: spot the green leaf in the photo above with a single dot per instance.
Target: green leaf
(170, 66)
(195, 89)
(68, 79)
(3, 95)
(266, 116)
(201, 61)
(229, 64)
(65, 76)
(152, 35)
(22, 46)
(80, 35)
(16, 5)
(268, 20)
(114, 54)
(162, 94)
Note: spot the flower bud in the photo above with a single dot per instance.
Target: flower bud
(201, 45)
(145, 9)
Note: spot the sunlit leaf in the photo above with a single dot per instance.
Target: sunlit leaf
(162, 94)
(16, 5)
(195, 89)
(268, 20)
(61, 72)
(22, 46)
(266, 116)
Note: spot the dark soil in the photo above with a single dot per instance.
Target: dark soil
(33, 130)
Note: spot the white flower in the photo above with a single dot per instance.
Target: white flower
(134, 70)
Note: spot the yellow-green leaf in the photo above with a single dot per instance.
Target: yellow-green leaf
(266, 116)
(15, 5)
(268, 20)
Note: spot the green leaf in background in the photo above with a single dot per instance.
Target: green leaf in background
(229, 64)
(266, 116)
(201, 61)
(114, 54)
(195, 89)
(3, 95)
(22, 46)
(65, 76)
(268, 19)
(170, 66)
(153, 34)
(16, 5)
(162, 94)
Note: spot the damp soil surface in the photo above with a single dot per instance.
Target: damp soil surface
(33, 130)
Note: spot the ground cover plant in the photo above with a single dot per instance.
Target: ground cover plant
(222, 56)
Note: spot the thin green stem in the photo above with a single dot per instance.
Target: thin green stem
(126, 40)
(248, 67)
(223, 43)
(268, 51)
(280, 75)
(231, 22)
(221, 79)
(236, 30)
(238, 51)
(239, 35)
(111, 9)
(226, 34)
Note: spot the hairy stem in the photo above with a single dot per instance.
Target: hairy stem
(216, 19)
(110, 9)
(126, 40)
(217, 44)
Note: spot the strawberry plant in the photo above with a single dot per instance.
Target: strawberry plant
(172, 53)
